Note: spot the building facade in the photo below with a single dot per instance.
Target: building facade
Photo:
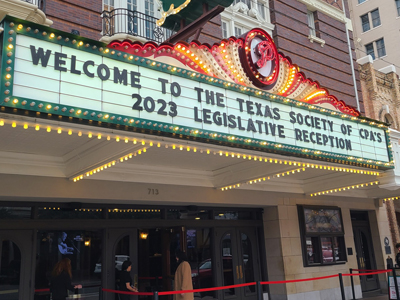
(251, 154)
(376, 25)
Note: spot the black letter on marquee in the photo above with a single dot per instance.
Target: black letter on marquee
(163, 85)
(220, 99)
(73, 66)
(240, 103)
(100, 68)
(199, 91)
(120, 77)
(176, 93)
(210, 97)
(58, 61)
(85, 70)
(39, 55)
(135, 80)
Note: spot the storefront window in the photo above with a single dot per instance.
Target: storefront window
(54, 212)
(233, 215)
(82, 247)
(199, 257)
(15, 212)
(187, 214)
(323, 235)
(137, 213)
(10, 270)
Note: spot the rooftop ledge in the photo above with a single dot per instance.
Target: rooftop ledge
(23, 10)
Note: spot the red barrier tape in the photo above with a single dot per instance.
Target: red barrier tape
(42, 290)
(298, 280)
(129, 293)
(234, 286)
(207, 289)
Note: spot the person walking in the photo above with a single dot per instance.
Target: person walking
(125, 280)
(60, 281)
(183, 277)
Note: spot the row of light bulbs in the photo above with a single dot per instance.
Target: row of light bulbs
(134, 210)
(356, 186)
(261, 179)
(109, 164)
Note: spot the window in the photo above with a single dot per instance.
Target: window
(322, 235)
(311, 22)
(224, 30)
(365, 22)
(376, 20)
(369, 49)
(238, 31)
(380, 47)
(398, 7)
(261, 9)
(361, 1)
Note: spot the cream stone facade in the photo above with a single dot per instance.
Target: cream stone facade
(386, 27)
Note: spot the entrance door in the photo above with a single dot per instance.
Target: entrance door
(364, 251)
(238, 262)
(121, 245)
(16, 250)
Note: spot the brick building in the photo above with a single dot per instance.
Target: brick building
(250, 153)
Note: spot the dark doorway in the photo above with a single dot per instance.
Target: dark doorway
(364, 249)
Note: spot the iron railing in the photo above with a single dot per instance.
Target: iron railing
(135, 23)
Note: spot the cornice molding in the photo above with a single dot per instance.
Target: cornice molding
(23, 10)
(328, 10)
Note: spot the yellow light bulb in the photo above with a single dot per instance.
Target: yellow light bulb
(90, 135)
(69, 132)
(37, 127)
(25, 126)
(99, 136)
(48, 129)
(59, 130)
(14, 124)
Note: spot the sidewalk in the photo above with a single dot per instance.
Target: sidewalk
(376, 295)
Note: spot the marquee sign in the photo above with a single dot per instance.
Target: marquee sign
(158, 89)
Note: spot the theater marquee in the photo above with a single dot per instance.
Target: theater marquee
(55, 72)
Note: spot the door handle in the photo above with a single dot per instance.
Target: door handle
(241, 272)
(237, 272)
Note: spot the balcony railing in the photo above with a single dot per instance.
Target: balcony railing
(135, 23)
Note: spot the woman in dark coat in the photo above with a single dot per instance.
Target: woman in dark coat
(125, 280)
(61, 280)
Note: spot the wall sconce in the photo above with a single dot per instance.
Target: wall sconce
(87, 242)
(143, 235)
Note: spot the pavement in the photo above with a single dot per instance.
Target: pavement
(375, 295)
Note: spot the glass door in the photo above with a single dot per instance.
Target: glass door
(238, 259)
(121, 245)
(365, 257)
(15, 251)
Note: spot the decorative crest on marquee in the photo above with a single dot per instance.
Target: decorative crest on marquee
(252, 61)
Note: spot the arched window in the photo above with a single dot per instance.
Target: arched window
(388, 119)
